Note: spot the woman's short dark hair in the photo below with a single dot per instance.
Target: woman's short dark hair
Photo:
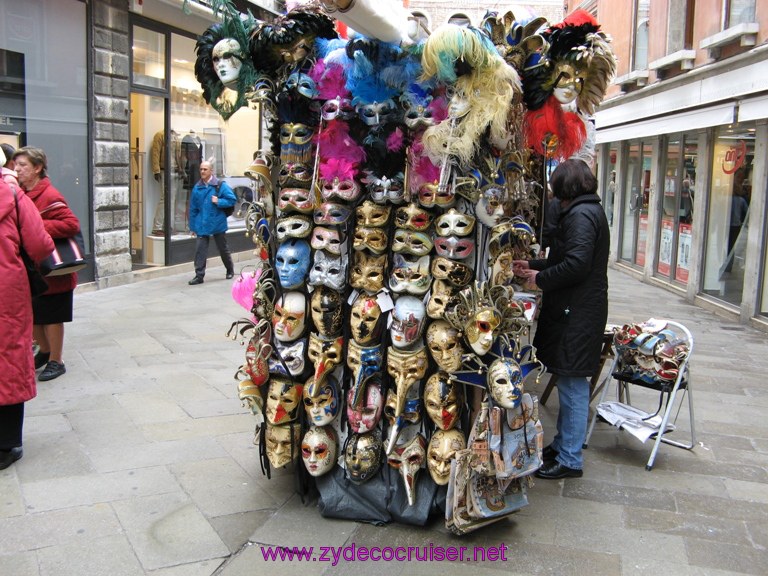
(571, 179)
(8, 150)
(36, 156)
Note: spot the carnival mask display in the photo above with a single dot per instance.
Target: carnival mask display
(505, 382)
(319, 449)
(331, 213)
(443, 400)
(366, 323)
(362, 456)
(368, 272)
(413, 217)
(323, 406)
(442, 292)
(378, 113)
(410, 274)
(408, 318)
(372, 215)
(454, 223)
(346, 190)
(292, 262)
(444, 345)
(283, 400)
(289, 318)
(366, 416)
(328, 239)
(457, 273)
(409, 242)
(441, 450)
(364, 362)
(326, 311)
(373, 239)
(293, 226)
(282, 444)
(325, 355)
(292, 356)
(410, 416)
(330, 271)
(406, 367)
(383, 189)
(295, 200)
(227, 57)
(408, 459)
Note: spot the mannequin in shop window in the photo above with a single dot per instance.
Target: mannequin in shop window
(159, 173)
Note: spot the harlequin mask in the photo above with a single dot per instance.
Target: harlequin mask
(364, 362)
(442, 292)
(227, 57)
(295, 175)
(337, 108)
(325, 355)
(301, 84)
(368, 272)
(289, 319)
(292, 358)
(372, 215)
(431, 194)
(408, 242)
(362, 456)
(413, 217)
(295, 200)
(443, 400)
(454, 223)
(373, 239)
(505, 381)
(293, 226)
(367, 318)
(319, 449)
(409, 459)
(365, 417)
(346, 190)
(406, 367)
(441, 450)
(327, 239)
(444, 345)
(292, 262)
(489, 208)
(479, 330)
(282, 444)
(457, 273)
(410, 275)
(378, 114)
(323, 407)
(408, 317)
(332, 213)
(410, 416)
(454, 248)
(283, 399)
(330, 271)
(326, 311)
(383, 189)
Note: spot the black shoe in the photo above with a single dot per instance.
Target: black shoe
(195, 281)
(230, 275)
(549, 453)
(555, 471)
(8, 457)
(41, 359)
(52, 370)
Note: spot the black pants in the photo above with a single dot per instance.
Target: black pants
(201, 253)
(11, 424)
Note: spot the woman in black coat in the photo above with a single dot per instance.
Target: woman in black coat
(574, 309)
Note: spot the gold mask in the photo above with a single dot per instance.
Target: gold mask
(368, 272)
(413, 217)
(326, 308)
(366, 325)
(442, 292)
(374, 239)
(457, 273)
(325, 355)
(372, 215)
(441, 450)
(406, 368)
(282, 444)
(479, 330)
(408, 459)
(443, 400)
(444, 345)
(282, 400)
(362, 456)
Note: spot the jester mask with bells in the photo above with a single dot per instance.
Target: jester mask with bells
(323, 407)
(441, 450)
(366, 416)
(406, 367)
(283, 400)
(443, 400)
(444, 345)
(505, 382)
(368, 271)
(326, 311)
(319, 449)
(325, 355)
(364, 362)
(410, 416)
(289, 318)
(367, 320)
(282, 444)
(408, 459)
(408, 318)
(362, 456)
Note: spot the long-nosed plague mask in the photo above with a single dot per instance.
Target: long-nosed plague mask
(409, 459)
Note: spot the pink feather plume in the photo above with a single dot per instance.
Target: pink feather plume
(337, 168)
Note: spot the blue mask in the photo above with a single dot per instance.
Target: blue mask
(292, 262)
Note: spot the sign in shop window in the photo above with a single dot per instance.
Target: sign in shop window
(684, 241)
(665, 245)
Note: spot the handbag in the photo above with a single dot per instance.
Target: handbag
(67, 256)
(37, 284)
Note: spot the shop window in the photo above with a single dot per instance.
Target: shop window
(148, 67)
(637, 185)
(607, 180)
(641, 22)
(680, 25)
(739, 12)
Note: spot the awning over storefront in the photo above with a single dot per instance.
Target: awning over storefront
(753, 108)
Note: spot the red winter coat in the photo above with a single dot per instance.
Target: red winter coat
(17, 367)
(60, 222)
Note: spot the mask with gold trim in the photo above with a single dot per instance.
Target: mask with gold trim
(408, 459)
(368, 271)
(406, 367)
(372, 215)
(328, 239)
(454, 223)
(365, 417)
(364, 362)
(326, 310)
(413, 217)
(330, 271)
(409, 242)
(319, 449)
(325, 355)
(323, 406)
(282, 444)
(443, 400)
(411, 415)
(292, 262)
(441, 450)
(373, 239)
(367, 320)
(283, 400)
(444, 345)
(293, 226)
(442, 292)
(289, 319)
(410, 274)
(362, 456)
(457, 273)
(505, 382)
(408, 318)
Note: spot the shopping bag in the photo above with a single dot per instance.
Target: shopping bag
(66, 258)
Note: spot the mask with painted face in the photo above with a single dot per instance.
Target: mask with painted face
(328, 239)
(282, 444)
(480, 330)
(227, 57)
(443, 400)
(367, 320)
(408, 318)
(292, 355)
(505, 381)
(406, 367)
(372, 215)
(319, 449)
(326, 310)
(442, 292)
(364, 362)
(362, 456)
(323, 407)
(444, 345)
(289, 318)
(365, 417)
(325, 355)
(283, 400)
(327, 270)
(368, 272)
(373, 239)
(293, 226)
(410, 274)
(292, 263)
(410, 416)
(413, 217)
(441, 450)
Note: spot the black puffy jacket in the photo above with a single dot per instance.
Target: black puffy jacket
(574, 281)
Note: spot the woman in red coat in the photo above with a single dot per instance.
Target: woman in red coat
(16, 365)
(54, 307)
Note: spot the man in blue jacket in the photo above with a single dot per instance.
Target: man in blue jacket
(210, 197)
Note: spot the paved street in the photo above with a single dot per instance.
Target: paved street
(139, 460)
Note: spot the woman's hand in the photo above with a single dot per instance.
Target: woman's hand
(519, 266)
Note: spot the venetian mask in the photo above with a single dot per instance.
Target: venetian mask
(411, 415)
(330, 271)
(295, 175)
(569, 82)
(410, 274)
(442, 292)
(479, 330)
(292, 355)
(325, 355)
(365, 417)
(444, 345)
(227, 57)
(295, 200)
(289, 319)
(331, 213)
(418, 117)
(293, 226)
(362, 456)
(373, 239)
(409, 242)
(413, 217)
(443, 400)
(282, 444)
(319, 449)
(368, 272)
(457, 273)
(454, 248)
(408, 459)
(431, 194)
(505, 382)
(326, 311)
(501, 268)
(328, 239)
(322, 407)
(338, 107)
(406, 367)
(441, 450)
(489, 208)
(257, 359)
(378, 113)
(299, 134)
(366, 321)
(296, 51)
(292, 262)
(383, 189)
(302, 84)
(364, 362)
(372, 215)
(283, 399)
(454, 223)
(346, 190)
(408, 317)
